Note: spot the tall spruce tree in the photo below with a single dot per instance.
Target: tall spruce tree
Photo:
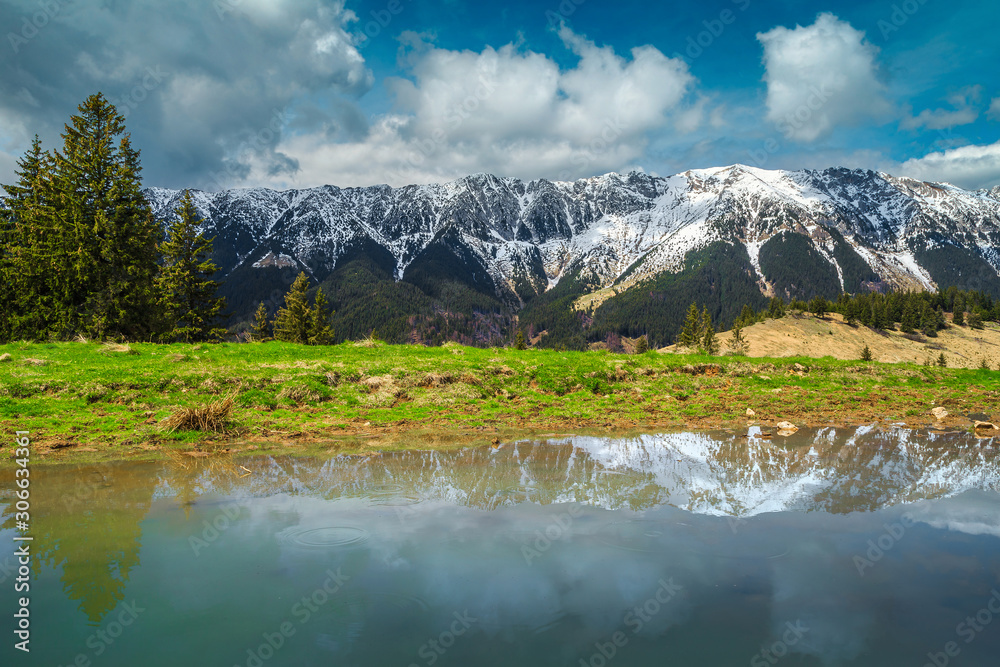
(294, 321)
(689, 336)
(708, 342)
(261, 325)
(320, 332)
(85, 242)
(27, 253)
(911, 318)
(187, 293)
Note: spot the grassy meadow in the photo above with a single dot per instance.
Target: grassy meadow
(92, 401)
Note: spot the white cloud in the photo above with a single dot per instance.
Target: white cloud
(820, 77)
(994, 111)
(507, 111)
(962, 112)
(196, 95)
(969, 167)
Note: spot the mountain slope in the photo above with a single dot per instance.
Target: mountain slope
(492, 245)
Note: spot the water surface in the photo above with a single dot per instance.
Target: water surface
(869, 546)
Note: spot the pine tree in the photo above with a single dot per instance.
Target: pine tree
(958, 318)
(641, 345)
(929, 321)
(850, 312)
(708, 342)
(320, 332)
(776, 308)
(519, 343)
(689, 336)
(866, 353)
(911, 319)
(261, 326)
(819, 306)
(975, 319)
(28, 260)
(187, 293)
(293, 323)
(737, 344)
(941, 361)
(105, 229)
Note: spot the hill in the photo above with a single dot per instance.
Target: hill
(805, 335)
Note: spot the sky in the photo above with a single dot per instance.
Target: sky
(303, 93)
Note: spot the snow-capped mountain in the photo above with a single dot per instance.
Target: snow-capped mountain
(517, 239)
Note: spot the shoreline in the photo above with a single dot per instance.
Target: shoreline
(87, 402)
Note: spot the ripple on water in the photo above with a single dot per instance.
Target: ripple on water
(391, 495)
(323, 538)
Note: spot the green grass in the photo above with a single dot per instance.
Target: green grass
(87, 396)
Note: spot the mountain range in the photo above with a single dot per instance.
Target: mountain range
(618, 254)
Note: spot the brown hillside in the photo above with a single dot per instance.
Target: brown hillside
(809, 336)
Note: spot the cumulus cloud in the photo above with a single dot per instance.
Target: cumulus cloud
(510, 112)
(963, 112)
(994, 111)
(207, 87)
(820, 77)
(969, 167)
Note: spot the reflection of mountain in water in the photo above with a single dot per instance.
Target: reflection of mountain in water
(834, 470)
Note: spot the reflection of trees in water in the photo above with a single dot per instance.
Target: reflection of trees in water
(85, 520)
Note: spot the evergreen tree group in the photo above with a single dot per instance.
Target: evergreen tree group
(80, 251)
(297, 321)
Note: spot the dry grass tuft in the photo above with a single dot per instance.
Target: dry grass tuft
(453, 347)
(368, 341)
(214, 417)
(175, 358)
(383, 390)
(34, 362)
(5, 357)
(300, 393)
(118, 348)
(435, 380)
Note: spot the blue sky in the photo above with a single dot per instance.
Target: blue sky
(297, 93)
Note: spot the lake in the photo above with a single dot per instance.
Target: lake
(873, 546)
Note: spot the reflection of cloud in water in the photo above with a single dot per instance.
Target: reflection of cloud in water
(973, 513)
(813, 587)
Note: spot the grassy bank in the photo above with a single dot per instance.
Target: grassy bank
(93, 401)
